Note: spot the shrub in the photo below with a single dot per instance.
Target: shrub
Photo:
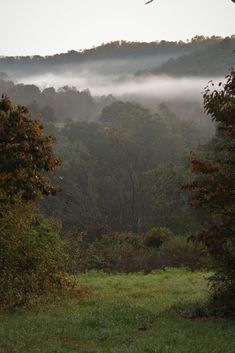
(116, 252)
(178, 251)
(128, 252)
(31, 253)
(75, 246)
(157, 236)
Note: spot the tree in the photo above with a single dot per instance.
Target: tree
(25, 153)
(213, 189)
(31, 248)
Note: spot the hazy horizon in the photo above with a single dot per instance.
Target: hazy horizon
(56, 26)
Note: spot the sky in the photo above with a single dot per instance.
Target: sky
(45, 27)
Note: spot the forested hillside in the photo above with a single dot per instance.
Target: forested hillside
(115, 58)
(212, 61)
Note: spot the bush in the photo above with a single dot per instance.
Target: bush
(128, 252)
(222, 301)
(178, 251)
(157, 236)
(75, 245)
(116, 252)
(31, 254)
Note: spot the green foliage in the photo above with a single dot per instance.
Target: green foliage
(155, 237)
(117, 252)
(167, 203)
(128, 252)
(124, 174)
(31, 250)
(213, 189)
(25, 153)
(125, 116)
(179, 251)
(75, 246)
(31, 253)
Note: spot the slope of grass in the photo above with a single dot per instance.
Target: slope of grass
(122, 314)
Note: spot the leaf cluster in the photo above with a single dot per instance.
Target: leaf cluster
(26, 153)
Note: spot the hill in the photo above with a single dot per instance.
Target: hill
(215, 60)
(118, 58)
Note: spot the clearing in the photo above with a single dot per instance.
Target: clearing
(132, 313)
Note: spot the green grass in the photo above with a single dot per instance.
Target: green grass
(122, 314)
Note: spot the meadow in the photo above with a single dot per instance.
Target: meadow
(135, 313)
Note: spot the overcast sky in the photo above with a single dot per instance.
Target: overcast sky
(54, 26)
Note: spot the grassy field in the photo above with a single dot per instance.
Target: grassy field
(122, 314)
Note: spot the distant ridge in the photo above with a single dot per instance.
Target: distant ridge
(215, 60)
(141, 55)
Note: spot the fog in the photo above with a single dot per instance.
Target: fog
(129, 64)
(160, 87)
(120, 66)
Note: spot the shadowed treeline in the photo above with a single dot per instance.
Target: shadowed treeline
(111, 58)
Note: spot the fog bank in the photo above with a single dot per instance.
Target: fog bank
(159, 87)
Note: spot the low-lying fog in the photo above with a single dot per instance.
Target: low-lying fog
(161, 87)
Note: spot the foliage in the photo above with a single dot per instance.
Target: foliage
(125, 116)
(213, 189)
(128, 252)
(179, 251)
(124, 173)
(31, 253)
(74, 247)
(31, 250)
(167, 203)
(155, 237)
(25, 153)
(116, 252)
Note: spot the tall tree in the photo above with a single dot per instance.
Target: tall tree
(31, 249)
(213, 188)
